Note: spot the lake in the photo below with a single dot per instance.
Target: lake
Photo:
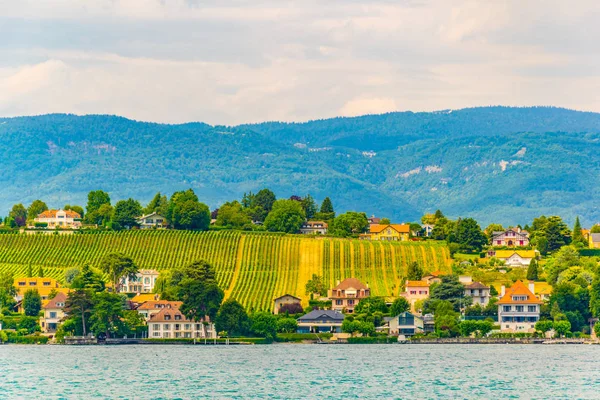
(301, 371)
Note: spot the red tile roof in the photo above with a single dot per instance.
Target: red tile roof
(52, 214)
(350, 283)
(160, 304)
(170, 315)
(519, 289)
(59, 298)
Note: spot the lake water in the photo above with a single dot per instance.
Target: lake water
(301, 371)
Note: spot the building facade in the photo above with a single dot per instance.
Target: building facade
(407, 324)
(154, 220)
(285, 300)
(142, 282)
(61, 219)
(153, 307)
(514, 237)
(514, 258)
(594, 240)
(314, 228)
(478, 292)
(391, 232)
(170, 323)
(347, 294)
(415, 291)
(53, 313)
(321, 321)
(518, 308)
(44, 287)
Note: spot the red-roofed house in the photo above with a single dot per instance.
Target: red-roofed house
(170, 323)
(518, 308)
(152, 307)
(53, 313)
(60, 219)
(478, 292)
(347, 294)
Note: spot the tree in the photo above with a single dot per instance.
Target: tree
(32, 303)
(126, 213)
(159, 204)
(386, 221)
(327, 212)
(309, 206)
(232, 214)
(117, 266)
(107, 314)
(79, 303)
(264, 324)
(415, 272)
(350, 223)
(595, 229)
(445, 319)
(40, 272)
(88, 279)
(565, 258)
(366, 328)
(71, 274)
(491, 228)
(595, 296)
(557, 233)
(232, 318)
(19, 214)
(286, 216)
(96, 199)
(78, 209)
(450, 290)
(562, 328)
(351, 326)
(399, 306)
(578, 238)
(265, 201)
(544, 326)
(7, 290)
(287, 325)
(316, 285)
(186, 212)
(36, 208)
(371, 305)
(469, 235)
(197, 288)
(532, 270)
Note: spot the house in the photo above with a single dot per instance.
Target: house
(518, 308)
(427, 229)
(407, 324)
(314, 228)
(153, 220)
(318, 321)
(347, 294)
(44, 287)
(434, 277)
(63, 219)
(514, 237)
(415, 291)
(153, 307)
(142, 282)
(53, 313)
(170, 323)
(286, 299)
(514, 258)
(373, 220)
(594, 240)
(389, 232)
(542, 290)
(479, 292)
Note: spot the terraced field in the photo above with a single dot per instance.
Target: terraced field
(253, 268)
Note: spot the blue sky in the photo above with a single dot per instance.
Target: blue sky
(230, 62)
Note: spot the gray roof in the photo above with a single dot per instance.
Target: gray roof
(322, 314)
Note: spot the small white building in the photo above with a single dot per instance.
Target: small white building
(154, 220)
(427, 229)
(518, 308)
(143, 282)
(172, 324)
(478, 292)
(62, 219)
(314, 227)
(514, 258)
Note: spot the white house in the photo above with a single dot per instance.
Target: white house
(478, 292)
(314, 227)
(53, 313)
(514, 258)
(65, 219)
(514, 237)
(427, 229)
(153, 307)
(154, 220)
(518, 308)
(143, 282)
(170, 323)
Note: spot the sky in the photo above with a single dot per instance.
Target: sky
(231, 62)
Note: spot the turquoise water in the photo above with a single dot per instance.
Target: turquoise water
(301, 371)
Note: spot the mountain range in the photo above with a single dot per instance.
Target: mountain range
(496, 164)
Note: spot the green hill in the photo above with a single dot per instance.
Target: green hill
(253, 268)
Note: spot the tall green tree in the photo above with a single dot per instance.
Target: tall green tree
(126, 213)
(469, 235)
(233, 319)
(37, 207)
(286, 216)
(451, 290)
(371, 305)
(96, 198)
(327, 212)
(197, 288)
(159, 204)
(309, 206)
(578, 238)
(232, 214)
(399, 306)
(78, 209)
(186, 212)
(316, 285)
(117, 266)
(40, 272)
(350, 223)
(415, 271)
(7, 290)
(264, 324)
(32, 303)
(264, 200)
(88, 279)
(532, 270)
(19, 214)
(107, 314)
(78, 305)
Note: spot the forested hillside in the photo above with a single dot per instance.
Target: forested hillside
(496, 164)
(252, 268)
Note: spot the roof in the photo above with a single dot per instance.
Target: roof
(510, 253)
(350, 283)
(519, 288)
(400, 228)
(150, 215)
(144, 297)
(476, 285)
(515, 230)
(161, 316)
(417, 284)
(322, 314)
(52, 214)
(160, 304)
(312, 224)
(437, 273)
(287, 295)
(59, 298)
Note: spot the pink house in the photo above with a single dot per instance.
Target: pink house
(415, 291)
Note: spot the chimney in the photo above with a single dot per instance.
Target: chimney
(532, 287)
(502, 290)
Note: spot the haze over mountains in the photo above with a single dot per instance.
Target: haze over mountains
(498, 164)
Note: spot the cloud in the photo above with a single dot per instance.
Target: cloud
(236, 61)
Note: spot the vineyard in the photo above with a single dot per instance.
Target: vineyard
(252, 268)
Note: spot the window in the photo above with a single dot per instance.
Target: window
(531, 308)
(147, 280)
(188, 327)
(166, 335)
(413, 292)
(22, 283)
(52, 314)
(32, 283)
(166, 327)
(177, 327)
(177, 317)
(350, 302)
(339, 302)
(167, 317)
(506, 308)
(177, 334)
(187, 334)
(156, 327)
(46, 283)
(156, 334)
(519, 298)
(197, 327)
(498, 242)
(520, 308)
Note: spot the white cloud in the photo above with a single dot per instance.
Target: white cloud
(368, 105)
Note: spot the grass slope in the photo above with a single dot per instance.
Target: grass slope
(252, 268)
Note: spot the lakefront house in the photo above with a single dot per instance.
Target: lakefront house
(170, 323)
(347, 294)
(153, 307)
(59, 219)
(479, 292)
(514, 237)
(518, 308)
(415, 291)
(317, 321)
(53, 313)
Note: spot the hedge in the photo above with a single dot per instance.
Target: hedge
(589, 252)
(372, 340)
(29, 339)
(201, 340)
(298, 337)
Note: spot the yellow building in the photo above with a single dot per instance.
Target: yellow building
(389, 232)
(594, 240)
(43, 285)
